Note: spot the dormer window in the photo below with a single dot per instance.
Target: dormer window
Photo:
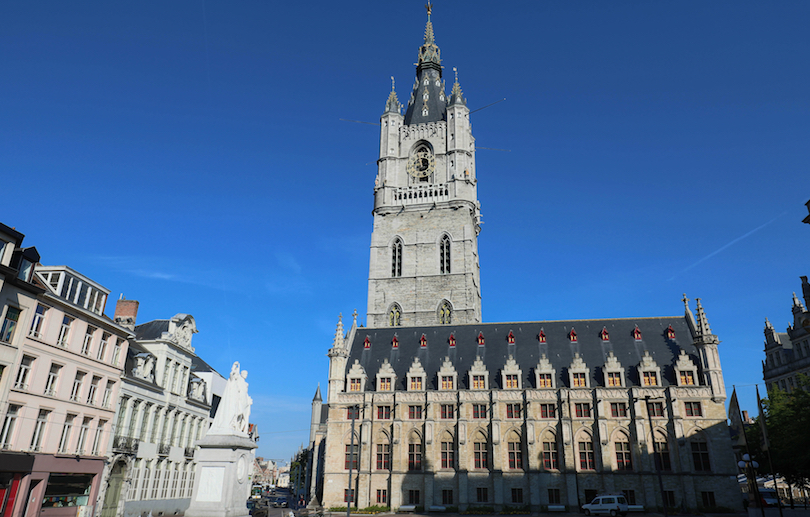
(604, 334)
(650, 378)
(510, 338)
(452, 341)
(479, 376)
(636, 334)
(579, 373)
(686, 370)
(544, 373)
(416, 376)
(613, 371)
(479, 382)
(416, 384)
(394, 342)
(511, 375)
(355, 385)
(480, 339)
(385, 384)
(356, 377)
(648, 371)
(572, 335)
(423, 342)
(541, 337)
(386, 377)
(447, 375)
(367, 343)
(670, 332)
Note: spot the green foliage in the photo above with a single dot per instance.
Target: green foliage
(516, 510)
(787, 418)
(478, 510)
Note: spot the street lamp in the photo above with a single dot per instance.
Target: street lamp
(749, 466)
(354, 412)
(657, 459)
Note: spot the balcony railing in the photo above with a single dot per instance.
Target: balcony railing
(164, 448)
(189, 452)
(417, 194)
(125, 444)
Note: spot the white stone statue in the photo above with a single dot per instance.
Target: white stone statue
(234, 408)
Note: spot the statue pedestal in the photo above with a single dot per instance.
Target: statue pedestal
(224, 463)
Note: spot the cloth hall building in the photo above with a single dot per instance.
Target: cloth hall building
(450, 411)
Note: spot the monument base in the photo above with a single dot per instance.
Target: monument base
(223, 464)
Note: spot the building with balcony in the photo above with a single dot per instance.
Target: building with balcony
(164, 409)
(61, 360)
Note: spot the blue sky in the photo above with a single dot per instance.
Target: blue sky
(191, 156)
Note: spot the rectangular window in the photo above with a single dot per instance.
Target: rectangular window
(351, 457)
(479, 410)
(39, 429)
(76, 391)
(416, 383)
(382, 497)
(447, 382)
(688, 379)
(517, 495)
(102, 347)
(384, 412)
(623, 456)
(413, 497)
(693, 409)
(414, 456)
(83, 432)
(708, 499)
(630, 495)
(355, 384)
(52, 382)
(36, 323)
(383, 456)
(662, 461)
(700, 456)
(582, 410)
(515, 456)
(447, 411)
(614, 379)
(481, 494)
(9, 324)
(7, 432)
(67, 429)
(480, 455)
(544, 380)
(385, 383)
(24, 373)
(415, 412)
(669, 495)
(348, 496)
(91, 393)
(107, 398)
(550, 456)
(513, 411)
(618, 409)
(587, 460)
(553, 496)
(512, 381)
(650, 379)
(655, 409)
(97, 438)
(64, 331)
(479, 382)
(447, 497)
(548, 411)
(87, 344)
(448, 455)
(578, 380)
(352, 412)
(116, 353)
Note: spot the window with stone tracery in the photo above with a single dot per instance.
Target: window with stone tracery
(396, 258)
(445, 314)
(395, 316)
(444, 255)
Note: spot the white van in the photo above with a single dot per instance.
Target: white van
(612, 504)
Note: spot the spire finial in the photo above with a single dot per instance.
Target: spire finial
(685, 301)
(455, 71)
(456, 96)
(429, 8)
(354, 318)
(393, 84)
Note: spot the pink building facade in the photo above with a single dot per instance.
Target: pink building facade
(61, 361)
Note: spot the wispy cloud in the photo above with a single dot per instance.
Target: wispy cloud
(729, 244)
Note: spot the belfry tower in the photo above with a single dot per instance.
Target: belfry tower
(424, 267)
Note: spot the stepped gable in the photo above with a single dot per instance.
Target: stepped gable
(527, 349)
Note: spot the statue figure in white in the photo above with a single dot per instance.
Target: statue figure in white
(234, 408)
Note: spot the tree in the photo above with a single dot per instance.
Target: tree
(787, 415)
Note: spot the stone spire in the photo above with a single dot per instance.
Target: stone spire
(455, 95)
(429, 52)
(798, 308)
(428, 102)
(392, 105)
(338, 342)
(317, 397)
(703, 331)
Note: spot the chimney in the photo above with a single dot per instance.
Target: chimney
(126, 311)
(745, 416)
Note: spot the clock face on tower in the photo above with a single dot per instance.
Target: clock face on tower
(421, 164)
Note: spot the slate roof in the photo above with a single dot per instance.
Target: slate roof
(526, 349)
(151, 329)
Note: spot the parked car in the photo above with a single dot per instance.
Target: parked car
(280, 502)
(610, 504)
(769, 497)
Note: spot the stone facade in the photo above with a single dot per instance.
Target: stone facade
(787, 354)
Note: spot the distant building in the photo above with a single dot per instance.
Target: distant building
(61, 360)
(165, 407)
(787, 354)
(450, 411)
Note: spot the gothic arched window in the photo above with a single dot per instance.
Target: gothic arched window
(395, 316)
(445, 313)
(396, 258)
(444, 255)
